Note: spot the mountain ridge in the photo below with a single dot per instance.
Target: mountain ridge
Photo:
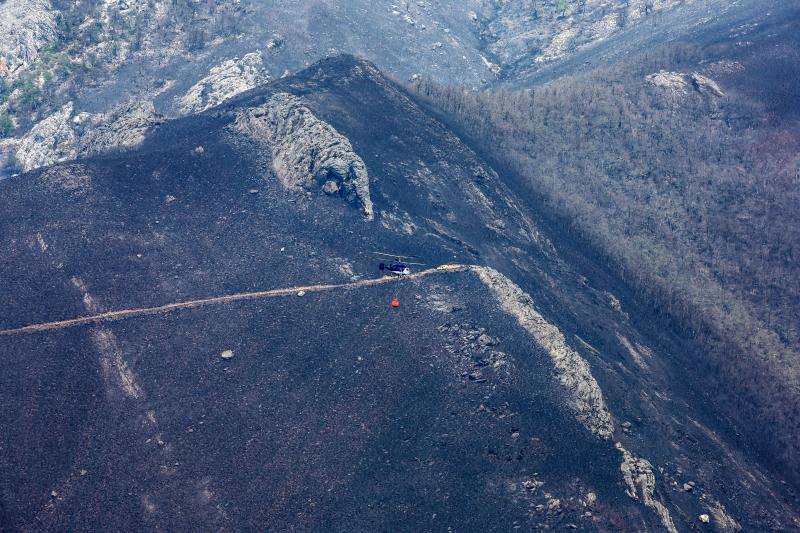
(549, 403)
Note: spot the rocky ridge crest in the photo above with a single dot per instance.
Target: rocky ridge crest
(307, 152)
(224, 81)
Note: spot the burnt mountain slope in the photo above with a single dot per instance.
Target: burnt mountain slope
(69, 68)
(528, 388)
(681, 165)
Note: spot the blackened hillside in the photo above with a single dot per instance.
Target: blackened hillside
(529, 389)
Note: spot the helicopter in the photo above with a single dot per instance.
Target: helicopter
(398, 266)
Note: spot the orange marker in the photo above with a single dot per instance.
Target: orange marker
(395, 303)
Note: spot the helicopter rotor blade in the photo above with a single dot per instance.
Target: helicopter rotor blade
(396, 256)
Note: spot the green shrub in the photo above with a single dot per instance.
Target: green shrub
(6, 125)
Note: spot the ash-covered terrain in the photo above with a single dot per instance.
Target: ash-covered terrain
(522, 387)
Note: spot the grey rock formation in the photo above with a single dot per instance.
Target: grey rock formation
(584, 394)
(641, 482)
(50, 141)
(25, 27)
(62, 136)
(706, 85)
(547, 31)
(224, 81)
(674, 82)
(124, 127)
(307, 153)
(679, 83)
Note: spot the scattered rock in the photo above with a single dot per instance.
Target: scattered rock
(674, 82)
(301, 293)
(687, 487)
(680, 83)
(54, 494)
(704, 518)
(486, 340)
(722, 520)
(330, 187)
(227, 354)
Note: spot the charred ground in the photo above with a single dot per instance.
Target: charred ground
(336, 412)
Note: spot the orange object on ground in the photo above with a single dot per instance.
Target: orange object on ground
(395, 303)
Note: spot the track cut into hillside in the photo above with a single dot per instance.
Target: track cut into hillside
(121, 314)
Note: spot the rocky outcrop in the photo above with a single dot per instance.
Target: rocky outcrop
(25, 27)
(674, 82)
(705, 85)
(307, 153)
(641, 482)
(542, 32)
(59, 138)
(680, 84)
(124, 127)
(223, 82)
(50, 141)
(584, 394)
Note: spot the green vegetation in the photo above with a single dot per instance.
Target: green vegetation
(691, 196)
(6, 125)
(29, 92)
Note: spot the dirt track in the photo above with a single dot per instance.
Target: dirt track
(121, 314)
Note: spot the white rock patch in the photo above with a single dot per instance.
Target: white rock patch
(585, 396)
(558, 46)
(674, 82)
(641, 482)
